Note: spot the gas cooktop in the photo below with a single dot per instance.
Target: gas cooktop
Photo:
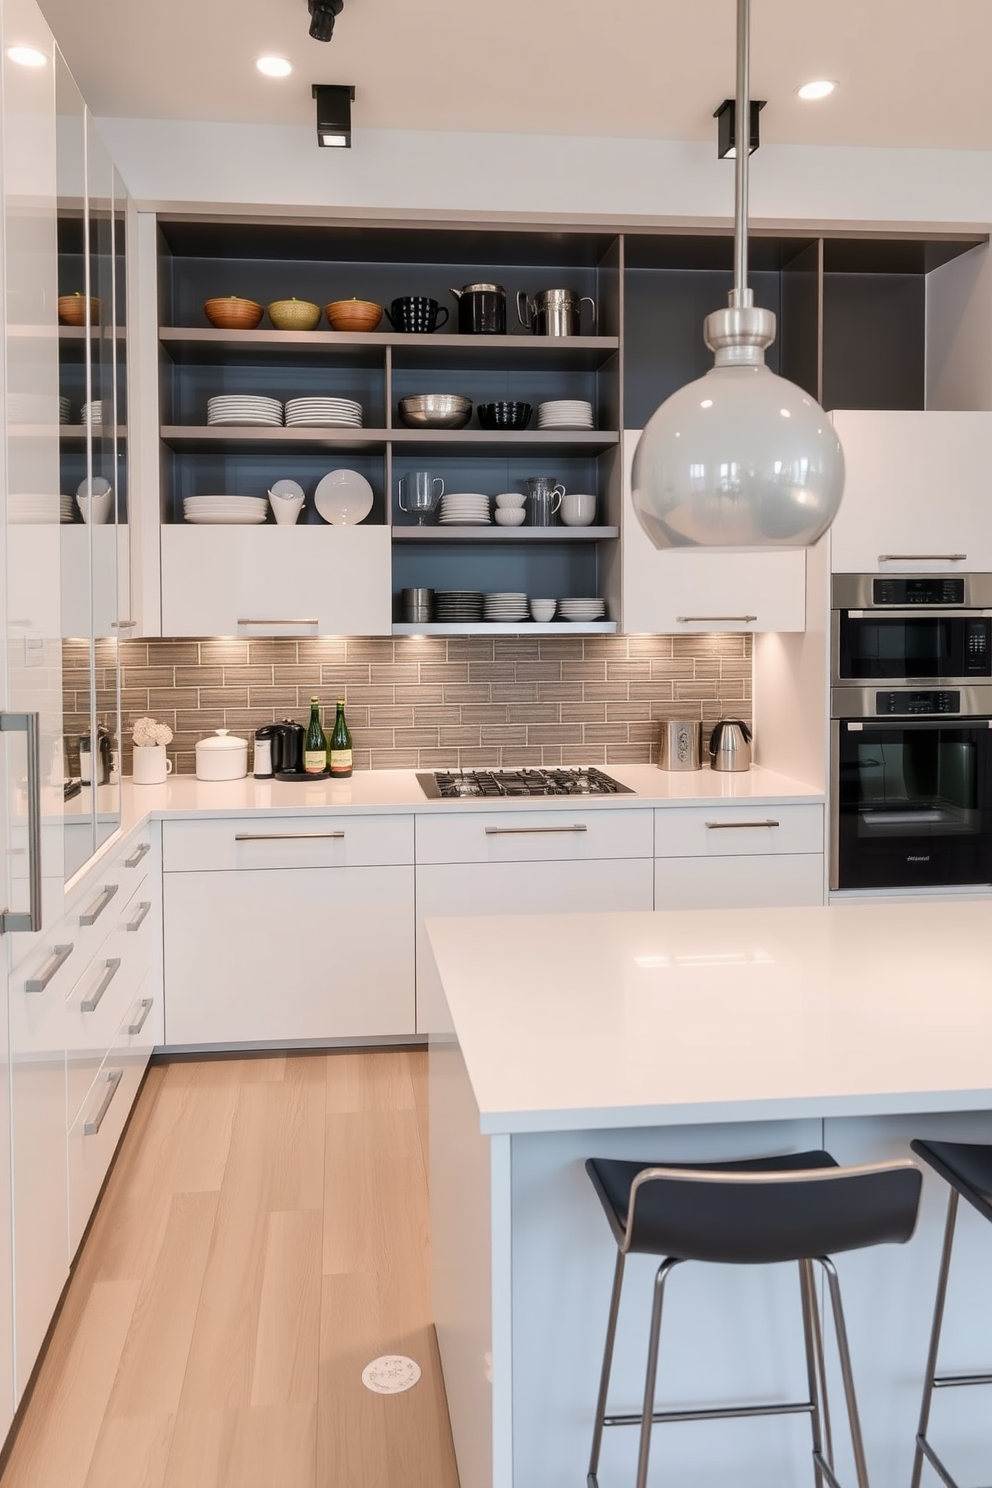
(473, 785)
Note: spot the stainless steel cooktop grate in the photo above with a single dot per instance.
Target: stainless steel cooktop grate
(469, 785)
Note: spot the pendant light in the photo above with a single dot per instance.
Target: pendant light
(740, 458)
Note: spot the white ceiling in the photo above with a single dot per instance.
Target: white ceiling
(911, 72)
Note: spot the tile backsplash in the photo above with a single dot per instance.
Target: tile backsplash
(430, 702)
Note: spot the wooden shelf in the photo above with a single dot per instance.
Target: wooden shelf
(515, 627)
(204, 437)
(509, 442)
(239, 436)
(434, 533)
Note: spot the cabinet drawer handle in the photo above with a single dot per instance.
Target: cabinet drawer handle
(146, 1005)
(698, 619)
(59, 958)
(139, 918)
(285, 836)
(736, 826)
(922, 557)
(137, 855)
(92, 1127)
(531, 831)
(269, 620)
(123, 624)
(92, 1002)
(99, 905)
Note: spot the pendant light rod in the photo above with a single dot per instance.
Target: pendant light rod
(741, 296)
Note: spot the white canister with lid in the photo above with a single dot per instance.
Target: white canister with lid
(221, 756)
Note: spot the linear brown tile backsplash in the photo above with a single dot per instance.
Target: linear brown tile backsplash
(435, 702)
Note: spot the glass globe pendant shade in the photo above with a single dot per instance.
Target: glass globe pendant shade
(741, 458)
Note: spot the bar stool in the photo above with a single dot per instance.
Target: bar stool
(763, 1210)
(967, 1168)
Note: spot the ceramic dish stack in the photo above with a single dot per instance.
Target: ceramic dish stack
(65, 411)
(582, 609)
(35, 509)
(464, 509)
(225, 511)
(243, 409)
(92, 413)
(505, 608)
(324, 413)
(67, 508)
(457, 606)
(565, 413)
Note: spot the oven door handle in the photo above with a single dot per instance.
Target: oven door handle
(918, 612)
(952, 720)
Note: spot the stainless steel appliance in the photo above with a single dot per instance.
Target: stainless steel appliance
(554, 312)
(911, 628)
(678, 748)
(730, 745)
(469, 785)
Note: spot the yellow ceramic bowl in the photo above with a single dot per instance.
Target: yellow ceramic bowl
(294, 315)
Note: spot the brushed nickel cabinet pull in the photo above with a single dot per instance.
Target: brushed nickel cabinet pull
(59, 958)
(311, 620)
(92, 1127)
(922, 557)
(531, 831)
(698, 619)
(139, 918)
(285, 836)
(123, 624)
(146, 1005)
(735, 825)
(99, 905)
(137, 855)
(90, 1003)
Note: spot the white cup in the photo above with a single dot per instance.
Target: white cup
(151, 764)
(96, 509)
(510, 516)
(577, 509)
(286, 509)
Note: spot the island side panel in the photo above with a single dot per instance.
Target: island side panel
(729, 1333)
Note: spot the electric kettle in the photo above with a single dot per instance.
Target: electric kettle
(730, 745)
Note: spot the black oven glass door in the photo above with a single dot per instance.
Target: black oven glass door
(876, 646)
(914, 804)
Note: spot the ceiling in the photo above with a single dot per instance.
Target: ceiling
(911, 72)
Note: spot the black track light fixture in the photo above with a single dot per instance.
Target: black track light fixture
(725, 116)
(333, 115)
(323, 14)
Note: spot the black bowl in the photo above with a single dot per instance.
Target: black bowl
(504, 415)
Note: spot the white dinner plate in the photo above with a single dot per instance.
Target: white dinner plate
(343, 497)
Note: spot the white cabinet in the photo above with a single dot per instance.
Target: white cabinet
(916, 492)
(288, 929)
(231, 580)
(686, 591)
(738, 857)
(539, 862)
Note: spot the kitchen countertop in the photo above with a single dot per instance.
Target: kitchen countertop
(568, 1022)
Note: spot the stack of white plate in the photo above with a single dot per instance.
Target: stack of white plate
(325, 413)
(565, 413)
(243, 409)
(92, 413)
(464, 509)
(505, 607)
(67, 508)
(33, 408)
(64, 410)
(457, 606)
(226, 510)
(36, 508)
(582, 609)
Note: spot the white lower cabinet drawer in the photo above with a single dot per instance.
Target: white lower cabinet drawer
(563, 832)
(783, 879)
(737, 830)
(286, 842)
(96, 1131)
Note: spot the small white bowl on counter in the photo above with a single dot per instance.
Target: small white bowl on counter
(221, 756)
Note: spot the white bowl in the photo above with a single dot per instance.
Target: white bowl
(98, 486)
(510, 516)
(287, 490)
(510, 499)
(96, 509)
(542, 610)
(286, 509)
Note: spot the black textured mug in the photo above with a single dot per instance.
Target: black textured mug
(416, 314)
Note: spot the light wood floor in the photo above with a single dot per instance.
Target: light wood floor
(264, 1235)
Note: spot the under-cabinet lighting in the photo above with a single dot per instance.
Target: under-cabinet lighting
(820, 88)
(26, 56)
(334, 141)
(333, 114)
(275, 67)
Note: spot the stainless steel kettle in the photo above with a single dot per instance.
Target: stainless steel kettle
(730, 745)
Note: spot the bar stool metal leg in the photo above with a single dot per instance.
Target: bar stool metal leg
(604, 1378)
(844, 1353)
(819, 1417)
(664, 1271)
(922, 1445)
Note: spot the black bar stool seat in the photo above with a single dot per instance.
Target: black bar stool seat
(801, 1207)
(967, 1168)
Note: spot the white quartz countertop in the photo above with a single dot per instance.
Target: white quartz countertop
(571, 1022)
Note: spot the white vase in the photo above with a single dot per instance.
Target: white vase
(151, 764)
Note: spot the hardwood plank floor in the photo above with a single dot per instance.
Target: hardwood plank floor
(264, 1236)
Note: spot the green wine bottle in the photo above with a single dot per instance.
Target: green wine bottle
(315, 743)
(339, 753)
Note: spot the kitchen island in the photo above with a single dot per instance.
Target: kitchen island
(689, 1036)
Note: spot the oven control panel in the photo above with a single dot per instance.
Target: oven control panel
(929, 701)
(929, 590)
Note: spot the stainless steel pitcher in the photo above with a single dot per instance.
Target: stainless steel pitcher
(553, 312)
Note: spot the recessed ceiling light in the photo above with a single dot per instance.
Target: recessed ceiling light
(822, 88)
(274, 66)
(27, 56)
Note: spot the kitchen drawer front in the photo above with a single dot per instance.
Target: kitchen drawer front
(95, 1133)
(101, 898)
(286, 842)
(772, 880)
(102, 995)
(738, 831)
(141, 1028)
(562, 833)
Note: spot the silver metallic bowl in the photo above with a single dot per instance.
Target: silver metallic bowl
(436, 411)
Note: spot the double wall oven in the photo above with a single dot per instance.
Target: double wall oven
(911, 730)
